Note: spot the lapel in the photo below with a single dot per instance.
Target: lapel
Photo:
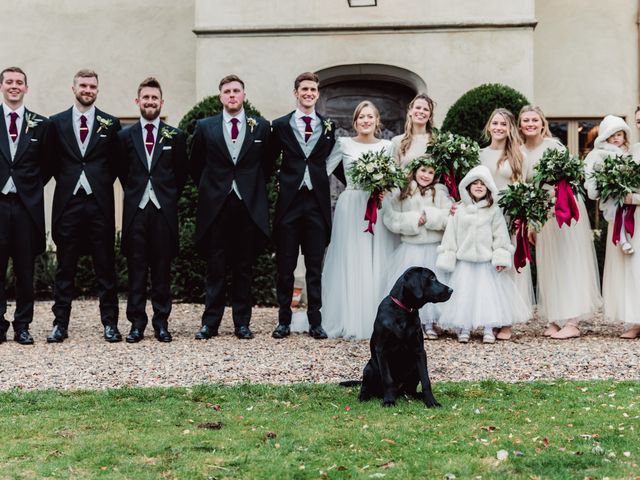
(4, 138)
(249, 136)
(157, 148)
(138, 144)
(218, 136)
(291, 135)
(68, 133)
(24, 139)
(94, 132)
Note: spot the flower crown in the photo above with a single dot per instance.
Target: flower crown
(422, 161)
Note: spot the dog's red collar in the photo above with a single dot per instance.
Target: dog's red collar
(402, 305)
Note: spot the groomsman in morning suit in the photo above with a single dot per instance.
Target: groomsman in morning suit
(23, 163)
(83, 218)
(303, 211)
(153, 171)
(230, 166)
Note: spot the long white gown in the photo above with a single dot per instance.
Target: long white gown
(354, 275)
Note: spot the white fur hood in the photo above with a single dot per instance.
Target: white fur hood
(477, 173)
(608, 126)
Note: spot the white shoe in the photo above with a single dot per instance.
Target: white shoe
(429, 332)
(488, 338)
(463, 337)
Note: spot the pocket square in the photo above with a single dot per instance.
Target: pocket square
(257, 141)
(168, 147)
(102, 135)
(34, 139)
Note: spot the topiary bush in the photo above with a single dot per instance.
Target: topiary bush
(189, 268)
(471, 111)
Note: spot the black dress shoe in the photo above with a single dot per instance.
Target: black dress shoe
(58, 334)
(206, 332)
(243, 333)
(135, 335)
(111, 334)
(23, 337)
(317, 332)
(281, 331)
(163, 335)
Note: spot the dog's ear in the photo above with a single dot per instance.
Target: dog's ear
(412, 289)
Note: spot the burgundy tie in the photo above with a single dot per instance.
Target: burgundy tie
(234, 129)
(308, 131)
(84, 130)
(149, 141)
(13, 126)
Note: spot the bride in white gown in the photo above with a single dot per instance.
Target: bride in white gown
(353, 278)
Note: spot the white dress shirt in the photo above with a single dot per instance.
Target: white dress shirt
(9, 186)
(91, 117)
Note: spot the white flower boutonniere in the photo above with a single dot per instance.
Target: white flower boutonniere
(328, 126)
(252, 123)
(105, 123)
(168, 133)
(32, 121)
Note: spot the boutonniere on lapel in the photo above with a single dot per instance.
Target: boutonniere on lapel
(167, 133)
(328, 126)
(32, 121)
(252, 123)
(105, 123)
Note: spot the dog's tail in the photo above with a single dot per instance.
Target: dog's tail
(350, 383)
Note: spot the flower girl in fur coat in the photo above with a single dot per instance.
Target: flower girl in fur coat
(419, 214)
(476, 247)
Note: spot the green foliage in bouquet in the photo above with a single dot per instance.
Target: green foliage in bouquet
(527, 202)
(556, 165)
(376, 172)
(616, 177)
(453, 153)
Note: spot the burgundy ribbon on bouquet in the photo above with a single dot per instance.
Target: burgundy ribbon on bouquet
(624, 216)
(523, 249)
(566, 205)
(371, 212)
(449, 180)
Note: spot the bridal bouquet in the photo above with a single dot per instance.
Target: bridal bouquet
(524, 205)
(375, 172)
(565, 173)
(615, 178)
(454, 156)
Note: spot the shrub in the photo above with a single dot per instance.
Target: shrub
(471, 111)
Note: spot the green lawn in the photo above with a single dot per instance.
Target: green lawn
(550, 430)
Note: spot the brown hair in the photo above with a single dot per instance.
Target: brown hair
(512, 152)
(488, 196)
(361, 106)
(150, 82)
(405, 143)
(229, 79)
(545, 132)
(305, 76)
(15, 70)
(407, 191)
(85, 73)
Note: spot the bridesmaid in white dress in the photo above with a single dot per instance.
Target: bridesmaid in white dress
(417, 130)
(568, 281)
(506, 162)
(353, 278)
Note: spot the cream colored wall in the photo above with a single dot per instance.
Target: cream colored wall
(586, 58)
(123, 41)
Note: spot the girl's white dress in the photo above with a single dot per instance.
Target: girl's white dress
(355, 266)
(475, 241)
(419, 244)
(502, 176)
(567, 267)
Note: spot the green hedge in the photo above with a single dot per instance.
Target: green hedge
(471, 111)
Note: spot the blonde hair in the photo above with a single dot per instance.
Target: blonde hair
(361, 106)
(512, 152)
(407, 138)
(546, 132)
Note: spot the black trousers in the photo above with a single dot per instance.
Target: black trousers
(232, 241)
(302, 226)
(149, 253)
(81, 226)
(18, 241)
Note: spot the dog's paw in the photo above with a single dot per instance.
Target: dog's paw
(389, 402)
(432, 403)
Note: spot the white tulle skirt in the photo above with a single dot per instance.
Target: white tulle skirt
(354, 277)
(621, 280)
(417, 255)
(568, 280)
(482, 297)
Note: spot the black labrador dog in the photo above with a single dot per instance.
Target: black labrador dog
(398, 360)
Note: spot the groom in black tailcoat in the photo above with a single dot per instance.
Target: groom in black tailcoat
(230, 165)
(303, 212)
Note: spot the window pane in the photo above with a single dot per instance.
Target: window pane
(559, 130)
(587, 133)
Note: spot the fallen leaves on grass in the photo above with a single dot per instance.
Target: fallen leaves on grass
(211, 425)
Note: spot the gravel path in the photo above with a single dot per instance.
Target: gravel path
(85, 360)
